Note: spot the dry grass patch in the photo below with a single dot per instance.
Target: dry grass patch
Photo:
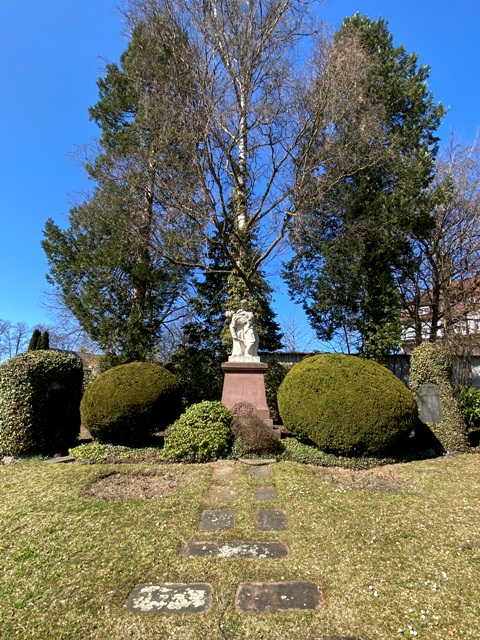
(138, 486)
(385, 478)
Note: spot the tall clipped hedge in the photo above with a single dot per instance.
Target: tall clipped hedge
(432, 363)
(40, 394)
(346, 405)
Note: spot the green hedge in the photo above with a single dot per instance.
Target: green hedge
(346, 405)
(40, 395)
(432, 363)
(128, 403)
(201, 434)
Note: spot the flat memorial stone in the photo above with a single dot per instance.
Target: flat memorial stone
(267, 597)
(271, 520)
(216, 520)
(260, 550)
(260, 472)
(221, 494)
(223, 473)
(430, 404)
(265, 493)
(257, 461)
(169, 598)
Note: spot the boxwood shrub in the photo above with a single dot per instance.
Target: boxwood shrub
(128, 403)
(40, 395)
(346, 405)
(201, 434)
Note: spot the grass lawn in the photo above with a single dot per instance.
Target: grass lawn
(393, 548)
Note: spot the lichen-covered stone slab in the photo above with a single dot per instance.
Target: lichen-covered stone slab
(221, 494)
(271, 520)
(266, 494)
(216, 520)
(169, 598)
(257, 461)
(267, 597)
(259, 550)
(260, 472)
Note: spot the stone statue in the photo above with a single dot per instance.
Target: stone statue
(244, 334)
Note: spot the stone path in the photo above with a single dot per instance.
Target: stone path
(251, 597)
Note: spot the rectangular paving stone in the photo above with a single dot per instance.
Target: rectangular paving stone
(257, 461)
(267, 597)
(271, 520)
(265, 493)
(216, 520)
(221, 494)
(260, 472)
(223, 473)
(261, 550)
(169, 598)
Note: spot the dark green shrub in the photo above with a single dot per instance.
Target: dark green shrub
(274, 376)
(432, 363)
(346, 405)
(201, 434)
(36, 336)
(469, 400)
(128, 403)
(40, 395)
(200, 373)
(252, 436)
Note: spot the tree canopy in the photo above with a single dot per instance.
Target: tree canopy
(355, 243)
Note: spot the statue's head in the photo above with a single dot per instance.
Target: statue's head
(244, 304)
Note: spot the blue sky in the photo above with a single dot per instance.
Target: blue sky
(51, 53)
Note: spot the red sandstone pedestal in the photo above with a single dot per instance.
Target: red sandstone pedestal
(244, 382)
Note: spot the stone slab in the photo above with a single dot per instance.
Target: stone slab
(260, 472)
(216, 520)
(429, 403)
(221, 494)
(169, 598)
(271, 520)
(60, 459)
(268, 597)
(256, 462)
(265, 494)
(258, 550)
(223, 473)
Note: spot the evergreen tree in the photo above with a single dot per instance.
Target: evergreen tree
(355, 245)
(44, 341)
(34, 340)
(112, 265)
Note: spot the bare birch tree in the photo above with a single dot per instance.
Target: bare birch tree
(261, 107)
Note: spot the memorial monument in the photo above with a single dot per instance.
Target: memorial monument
(244, 373)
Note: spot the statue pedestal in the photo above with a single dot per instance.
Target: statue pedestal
(244, 382)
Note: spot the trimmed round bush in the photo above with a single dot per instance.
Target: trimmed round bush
(201, 434)
(40, 395)
(128, 403)
(346, 405)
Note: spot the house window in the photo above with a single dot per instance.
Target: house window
(409, 333)
(461, 328)
(423, 311)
